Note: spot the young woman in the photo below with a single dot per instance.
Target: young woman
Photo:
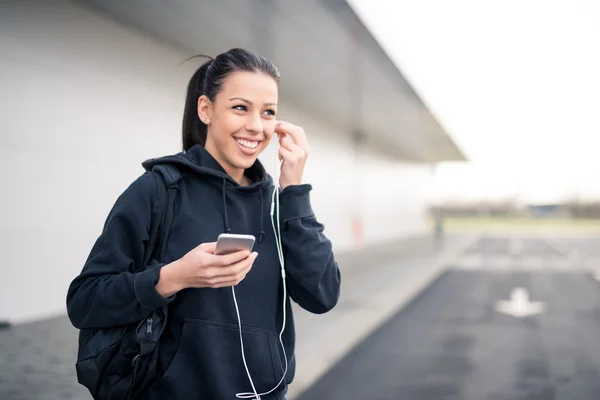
(229, 119)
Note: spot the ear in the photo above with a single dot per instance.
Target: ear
(204, 109)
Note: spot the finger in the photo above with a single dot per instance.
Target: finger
(293, 155)
(208, 247)
(229, 283)
(289, 144)
(283, 128)
(296, 132)
(286, 128)
(238, 275)
(234, 268)
(285, 154)
(218, 274)
(232, 258)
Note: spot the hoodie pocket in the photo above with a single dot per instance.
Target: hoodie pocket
(208, 363)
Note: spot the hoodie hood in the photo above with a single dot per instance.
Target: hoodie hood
(197, 161)
(200, 161)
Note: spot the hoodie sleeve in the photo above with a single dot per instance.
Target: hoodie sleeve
(109, 292)
(312, 274)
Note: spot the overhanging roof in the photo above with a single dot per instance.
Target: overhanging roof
(331, 65)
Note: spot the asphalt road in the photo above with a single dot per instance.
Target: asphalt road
(515, 319)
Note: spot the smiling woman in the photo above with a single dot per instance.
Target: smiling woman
(214, 345)
(234, 116)
(241, 120)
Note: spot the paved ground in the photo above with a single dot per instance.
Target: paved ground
(36, 360)
(376, 283)
(463, 339)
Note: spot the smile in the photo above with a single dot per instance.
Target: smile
(249, 144)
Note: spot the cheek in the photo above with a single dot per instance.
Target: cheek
(226, 128)
(269, 129)
(268, 137)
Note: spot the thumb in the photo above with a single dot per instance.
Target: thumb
(208, 247)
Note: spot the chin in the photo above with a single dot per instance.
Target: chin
(244, 165)
(241, 161)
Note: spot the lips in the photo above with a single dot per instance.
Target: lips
(247, 146)
(250, 144)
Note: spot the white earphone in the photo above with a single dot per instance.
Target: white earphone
(277, 231)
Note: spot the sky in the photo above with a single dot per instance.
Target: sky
(515, 83)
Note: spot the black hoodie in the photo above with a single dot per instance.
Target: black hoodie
(200, 355)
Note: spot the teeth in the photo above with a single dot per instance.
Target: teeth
(247, 143)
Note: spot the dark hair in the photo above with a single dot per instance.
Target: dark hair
(208, 80)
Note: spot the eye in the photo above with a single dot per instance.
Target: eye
(270, 112)
(240, 107)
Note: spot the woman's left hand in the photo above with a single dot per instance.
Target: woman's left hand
(293, 150)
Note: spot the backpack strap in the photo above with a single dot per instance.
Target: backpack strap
(167, 177)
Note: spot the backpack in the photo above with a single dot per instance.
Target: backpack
(118, 363)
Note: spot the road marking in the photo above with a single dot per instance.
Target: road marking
(519, 305)
(470, 262)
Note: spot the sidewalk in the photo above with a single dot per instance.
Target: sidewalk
(375, 284)
(37, 360)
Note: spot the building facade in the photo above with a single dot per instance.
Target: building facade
(90, 89)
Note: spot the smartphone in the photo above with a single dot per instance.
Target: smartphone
(230, 243)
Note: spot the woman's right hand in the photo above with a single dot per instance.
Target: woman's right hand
(201, 268)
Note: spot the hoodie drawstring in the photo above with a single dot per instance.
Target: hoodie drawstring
(227, 229)
(262, 232)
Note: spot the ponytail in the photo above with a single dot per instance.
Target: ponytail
(194, 130)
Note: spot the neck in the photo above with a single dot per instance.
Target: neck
(245, 181)
(236, 173)
(238, 176)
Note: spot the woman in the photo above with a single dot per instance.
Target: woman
(229, 119)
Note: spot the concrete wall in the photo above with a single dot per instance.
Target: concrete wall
(84, 101)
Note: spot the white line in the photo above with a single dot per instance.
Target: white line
(500, 263)
(562, 247)
(470, 262)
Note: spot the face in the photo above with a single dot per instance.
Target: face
(241, 120)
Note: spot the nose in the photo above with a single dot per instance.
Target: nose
(254, 123)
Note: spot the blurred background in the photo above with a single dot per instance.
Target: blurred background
(453, 161)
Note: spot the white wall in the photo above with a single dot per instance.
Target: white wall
(84, 101)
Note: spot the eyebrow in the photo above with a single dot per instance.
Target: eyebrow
(249, 102)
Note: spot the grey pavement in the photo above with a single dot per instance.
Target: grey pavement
(375, 284)
(37, 362)
(459, 340)
(37, 359)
